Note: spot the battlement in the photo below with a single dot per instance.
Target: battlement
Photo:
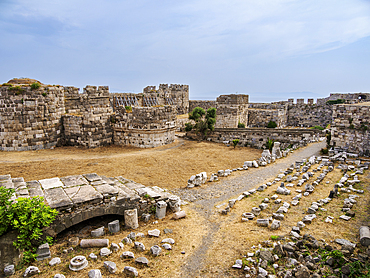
(233, 99)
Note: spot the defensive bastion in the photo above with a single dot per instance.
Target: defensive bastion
(46, 116)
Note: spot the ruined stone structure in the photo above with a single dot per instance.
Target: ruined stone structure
(205, 104)
(350, 128)
(146, 126)
(231, 110)
(81, 197)
(258, 137)
(44, 117)
(173, 94)
(87, 121)
(284, 113)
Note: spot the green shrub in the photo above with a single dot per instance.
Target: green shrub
(269, 144)
(28, 216)
(204, 121)
(271, 124)
(317, 127)
(35, 86)
(128, 109)
(363, 127)
(324, 151)
(188, 127)
(351, 126)
(336, 101)
(44, 94)
(241, 125)
(235, 142)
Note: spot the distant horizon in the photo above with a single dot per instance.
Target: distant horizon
(269, 97)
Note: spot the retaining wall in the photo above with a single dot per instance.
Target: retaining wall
(257, 137)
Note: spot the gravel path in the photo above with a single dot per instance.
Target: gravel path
(205, 199)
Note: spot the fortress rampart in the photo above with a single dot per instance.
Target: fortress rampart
(49, 116)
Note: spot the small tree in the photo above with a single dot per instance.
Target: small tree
(235, 142)
(241, 125)
(204, 121)
(271, 124)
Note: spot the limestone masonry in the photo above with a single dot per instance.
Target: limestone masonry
(46, 116)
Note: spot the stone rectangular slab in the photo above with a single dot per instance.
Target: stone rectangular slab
(109, 181)
(34, 189)
(74, 180)
(106, 189)
(84, 194)
(7, 184)
(51, 183)
(148, 191)
(5, 177)
(164, 195)
(22, 192)
(57, 198)
(99, 182)
(92, 177)
(134, 185)
(14, 180)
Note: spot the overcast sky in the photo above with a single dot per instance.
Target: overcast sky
(269, 49)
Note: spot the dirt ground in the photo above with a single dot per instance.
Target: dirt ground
(168, 166)
(226, 237)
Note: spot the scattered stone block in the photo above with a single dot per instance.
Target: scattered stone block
(43, 252)
(131, 220)
(178, 215)
(167, 246)
(142, 261)
(263, 222)
(110, 266)
(345, 217)
(139, 246)
(55, 261)
(30, 271)
(9, 270)
(95, 273)
(160, 210)
(275, 224)
(364, 235)
(78, 263)
(87, 243)
(154, 232)
(155, 250)
(130, 271)
(127, 255)
(98, 232)
(105, 252)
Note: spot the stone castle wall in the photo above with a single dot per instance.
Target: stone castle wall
(231, 110)
(146, 127)
(56, 115)
(350, 128)
(258, 137)
(205, 104)
(261, 117)
(308, 115)
(88, 119)
(166, 94)
(30, 119)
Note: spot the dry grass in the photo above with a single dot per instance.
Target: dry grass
(235, 238)
(168, 166)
